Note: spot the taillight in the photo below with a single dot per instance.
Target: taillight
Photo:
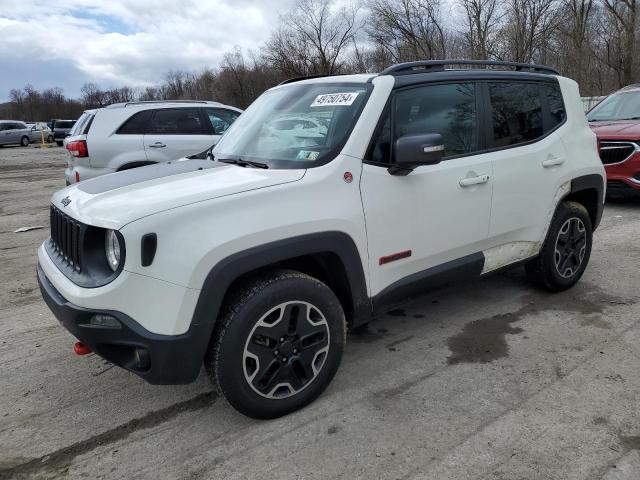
(78, 148)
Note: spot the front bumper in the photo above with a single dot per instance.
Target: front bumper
(158, 359)
(624, 176)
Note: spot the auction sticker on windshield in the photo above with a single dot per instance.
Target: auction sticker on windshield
(332, 99)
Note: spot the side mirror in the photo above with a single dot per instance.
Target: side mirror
(411, 151)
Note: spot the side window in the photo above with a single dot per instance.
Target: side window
(448, 109)
(88, 124)
(517, 112)
(176, 121)
(555, 113)
(220, 119)
(136, 125)
(380, 150)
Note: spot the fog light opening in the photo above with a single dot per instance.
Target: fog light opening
(104, 321)
(141, 359)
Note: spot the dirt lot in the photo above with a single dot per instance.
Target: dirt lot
(493, 381)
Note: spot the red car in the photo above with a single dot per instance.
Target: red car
(616, 122)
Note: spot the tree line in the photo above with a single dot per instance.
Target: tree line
(595, 42)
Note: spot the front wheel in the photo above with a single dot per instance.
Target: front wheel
(566, 251)
(278, 344)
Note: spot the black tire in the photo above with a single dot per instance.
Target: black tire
(59, 144)
(49, 139)
(566, 250)
(251, 321)
(24, 142)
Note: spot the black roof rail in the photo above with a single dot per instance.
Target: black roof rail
(308, 77)
(425, 66)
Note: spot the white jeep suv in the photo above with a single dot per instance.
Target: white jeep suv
(255, 260)
(128, 135)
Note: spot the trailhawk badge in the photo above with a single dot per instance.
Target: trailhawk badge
(65, 201)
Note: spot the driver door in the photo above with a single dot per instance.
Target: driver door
(435, 220)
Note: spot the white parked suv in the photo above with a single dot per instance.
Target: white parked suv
(255, 262)
(128, 135)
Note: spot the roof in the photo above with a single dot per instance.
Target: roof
(437, 66)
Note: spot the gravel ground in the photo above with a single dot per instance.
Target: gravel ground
(494, 381)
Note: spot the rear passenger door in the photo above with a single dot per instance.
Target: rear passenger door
(528, 163)
(173, 133)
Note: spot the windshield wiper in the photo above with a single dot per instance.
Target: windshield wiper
(243, 163)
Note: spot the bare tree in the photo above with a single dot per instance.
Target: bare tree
(483, 22)
(619, 32)
(575, 42)
(313, 39)
(528, 29)
(408, 29)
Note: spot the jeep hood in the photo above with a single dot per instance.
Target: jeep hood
(113, 200)
(616, 130)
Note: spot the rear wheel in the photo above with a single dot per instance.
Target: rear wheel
(566, 251)
(278, 344)
(24, 141)
(49, 139)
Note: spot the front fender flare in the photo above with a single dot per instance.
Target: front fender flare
(231, 268)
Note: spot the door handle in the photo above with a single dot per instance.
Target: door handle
(469, 181)
(157, 145)
(552, 162)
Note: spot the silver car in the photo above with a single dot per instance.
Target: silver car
(40, 131)
(14, 133)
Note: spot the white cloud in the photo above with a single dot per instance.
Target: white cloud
(118, 42)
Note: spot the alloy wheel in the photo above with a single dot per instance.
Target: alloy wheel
(286, 349)
(571, 245)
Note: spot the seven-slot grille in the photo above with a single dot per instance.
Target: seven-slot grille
(66, 235)
(616, 152)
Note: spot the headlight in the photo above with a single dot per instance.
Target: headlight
(112, 249)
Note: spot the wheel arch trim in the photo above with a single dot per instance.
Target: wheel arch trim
(225, 272)
(593, 182)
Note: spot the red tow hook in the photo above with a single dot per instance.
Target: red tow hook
(81, 349)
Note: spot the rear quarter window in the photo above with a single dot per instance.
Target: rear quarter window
(82, 124)
(524, 112)
(553, 105)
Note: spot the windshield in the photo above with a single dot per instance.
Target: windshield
(297, 126)
(619, 106)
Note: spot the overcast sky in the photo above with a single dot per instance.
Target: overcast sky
(67, 43)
